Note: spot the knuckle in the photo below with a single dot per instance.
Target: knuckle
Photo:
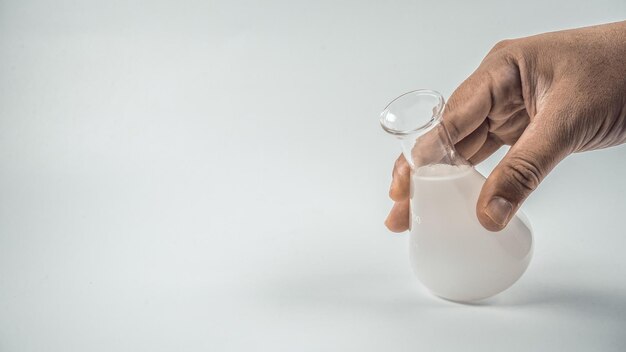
(523, 174)
(502, 44)
(508, 50)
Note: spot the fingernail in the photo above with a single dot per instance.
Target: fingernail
(499, 210)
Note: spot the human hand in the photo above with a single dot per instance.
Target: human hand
(547, 96)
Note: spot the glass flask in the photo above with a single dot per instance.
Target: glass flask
(450, 252)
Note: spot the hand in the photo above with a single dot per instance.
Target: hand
(547, 96)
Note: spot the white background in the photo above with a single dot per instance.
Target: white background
(211, 176)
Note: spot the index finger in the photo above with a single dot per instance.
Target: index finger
(468, 107)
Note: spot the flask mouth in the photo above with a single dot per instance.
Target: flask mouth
(412, 112)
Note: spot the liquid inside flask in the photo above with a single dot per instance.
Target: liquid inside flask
(450, 252)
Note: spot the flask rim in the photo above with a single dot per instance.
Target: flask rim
(436, 114)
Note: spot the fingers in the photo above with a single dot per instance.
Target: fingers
(494, 90)
(398, 219)
(510, 129)
(519, 173)
(492, 143)
(468, 107)
(474, 142)
(400, 184)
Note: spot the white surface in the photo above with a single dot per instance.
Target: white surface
(211, 176)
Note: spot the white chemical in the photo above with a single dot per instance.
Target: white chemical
(451, 253)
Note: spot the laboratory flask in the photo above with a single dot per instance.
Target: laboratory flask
(450, 252)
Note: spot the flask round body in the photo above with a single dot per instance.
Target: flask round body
(450, 252)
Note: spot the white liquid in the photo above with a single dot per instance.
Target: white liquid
(451, 253)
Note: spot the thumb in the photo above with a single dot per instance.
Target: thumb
(519, 173)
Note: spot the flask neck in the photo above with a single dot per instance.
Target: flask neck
(431, 147)
(415, 119)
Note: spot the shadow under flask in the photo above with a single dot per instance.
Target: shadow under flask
(450, 252)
